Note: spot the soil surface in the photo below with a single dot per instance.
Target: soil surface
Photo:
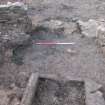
(50, 92)
(86, 62)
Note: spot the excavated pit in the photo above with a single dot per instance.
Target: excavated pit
(54, 92)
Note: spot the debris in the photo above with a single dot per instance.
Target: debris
(14, 26)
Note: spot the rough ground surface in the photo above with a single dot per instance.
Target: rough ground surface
(86, 62)
(60, 93)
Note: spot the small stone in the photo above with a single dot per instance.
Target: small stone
(89, 28)
(69, 28)
(54, 24)
(93, 95)
(71, 51)
(75, 19)
(22, 80)
(95, 99)
(92, 86)
(4, 100)
(103, 50)
(9, 53)
(15, 101)
(101, 35)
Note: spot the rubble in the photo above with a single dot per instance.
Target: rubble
(14, 25)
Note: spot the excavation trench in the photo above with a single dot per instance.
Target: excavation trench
(50, 92)
(54, 91)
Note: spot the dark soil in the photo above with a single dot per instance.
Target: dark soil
(51, 92)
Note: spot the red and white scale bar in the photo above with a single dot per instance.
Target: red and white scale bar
(53, 43)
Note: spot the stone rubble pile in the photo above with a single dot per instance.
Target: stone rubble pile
(14, 26)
